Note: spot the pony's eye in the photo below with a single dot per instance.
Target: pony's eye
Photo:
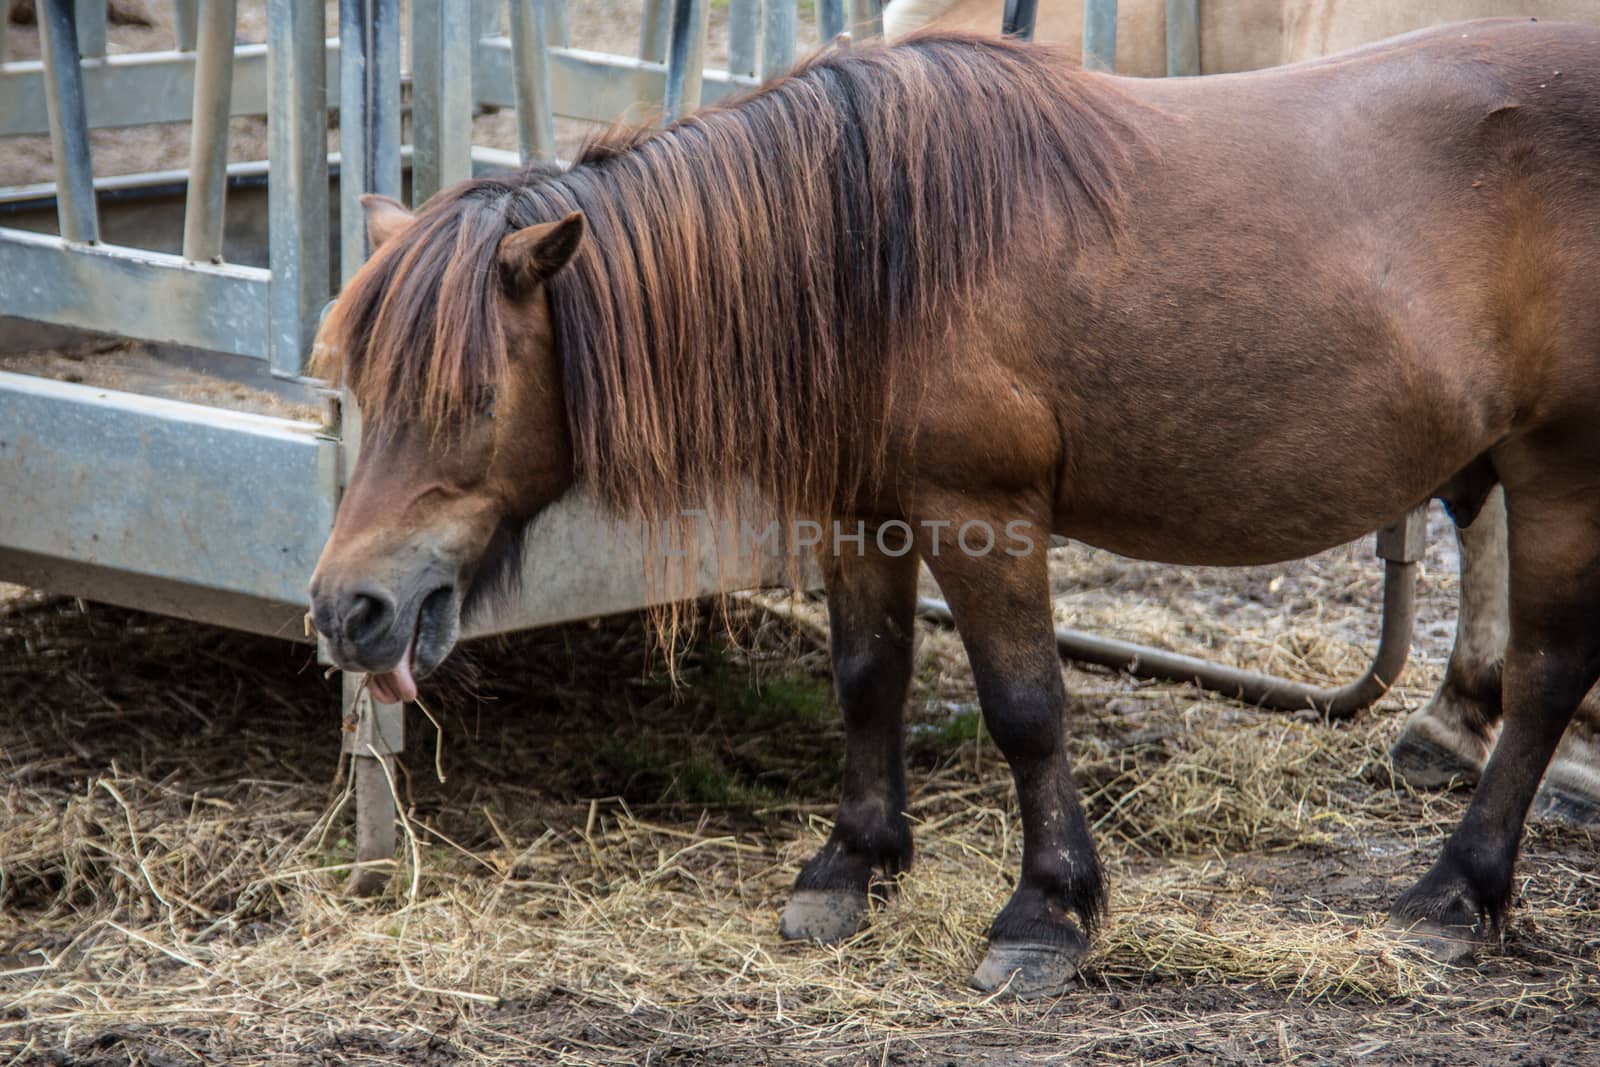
(483, 403)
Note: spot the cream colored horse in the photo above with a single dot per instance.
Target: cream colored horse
(1451, 736)
(1234, 34)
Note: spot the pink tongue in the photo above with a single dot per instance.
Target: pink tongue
(396, 686)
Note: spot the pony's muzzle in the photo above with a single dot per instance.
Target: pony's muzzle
(359, 625)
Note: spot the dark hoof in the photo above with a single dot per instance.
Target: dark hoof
(1424, 764)
(1447, 944)
(1562, 804)
(1027, 971)
(823, 915)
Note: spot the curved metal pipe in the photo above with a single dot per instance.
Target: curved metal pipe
(1268, 691)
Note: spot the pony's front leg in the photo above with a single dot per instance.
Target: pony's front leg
(1001, 604)
(872, 600)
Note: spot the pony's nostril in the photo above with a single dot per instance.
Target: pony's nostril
(367, 614)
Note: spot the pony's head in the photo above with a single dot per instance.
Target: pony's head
(445, 340)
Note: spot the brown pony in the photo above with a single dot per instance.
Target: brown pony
(958, 284)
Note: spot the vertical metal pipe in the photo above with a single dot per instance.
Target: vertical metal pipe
(685, 59)
(383, 69)
(1183, 37)
(830, 20)
(485, 18)
(92, 29)
(355, 124)
(5, 25)
(780, 25)
(744, 33)
(455, 93)
(425, 40)
(297, 186)
(555, 24)
(204, 204)
(69, 121)
(185, 18)
(866, 18)
(657, 28)
(1019, 19)
(530, 62)
(1100, 34)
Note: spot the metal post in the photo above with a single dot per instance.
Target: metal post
(369, 117)
(92, 29)
(556, 29)
(69, 122)
(1183, 37)
(866, 18)
(1019, 19)
(374, 735)
(485, 18)
(685, 59)
(1100, 34)
(744, 31)
(425, 40)
(780, 24)
(206, 199)
(530, 62)
(1400, 547)
(830, 20)
(657, 28)
(5, 26)
(297, 189)
(186, 19)
(456, 44)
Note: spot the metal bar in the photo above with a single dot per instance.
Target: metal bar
(369, 118)
(136, 90)
(1183, 37)
(455, 93)
(297, 192)
(355, 123)
(151, 296)
(830, 20)
(486, 18)
(185, 19)
(208, 135)
(780, 26)
(686, 51)
(5, 28)
(1019, 19)
(425, 43)
(744, 34)
(657, 28)
(76, 462)
(556, 25)
(1252, 687)
(378, 735)
(69, 122)
(1100, 34)
(91, 28)
(536, 126)
(866, 18)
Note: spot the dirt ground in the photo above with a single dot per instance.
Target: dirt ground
(593, 859)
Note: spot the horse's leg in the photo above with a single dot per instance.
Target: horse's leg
(1449, 739)
(872, 601)
(1552, 660)
(1001, 606)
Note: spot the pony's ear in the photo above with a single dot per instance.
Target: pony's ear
(387, 218)
(534, 253)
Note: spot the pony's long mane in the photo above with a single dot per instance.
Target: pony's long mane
(756, 278)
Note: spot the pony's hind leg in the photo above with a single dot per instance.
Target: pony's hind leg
(1448, 740)
(1001, 606)
(1552, 660)
(871, 613)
